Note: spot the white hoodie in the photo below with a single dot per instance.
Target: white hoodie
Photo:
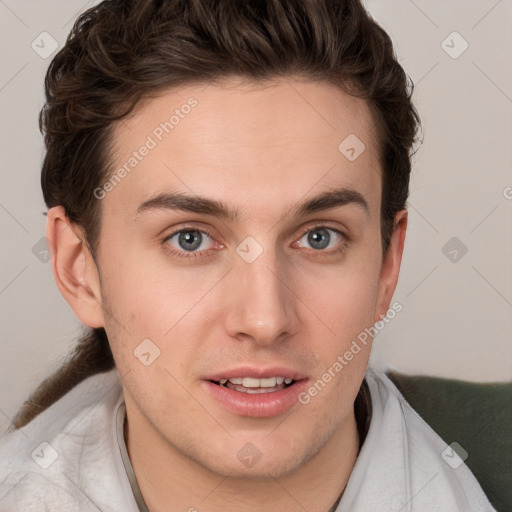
(69, 459)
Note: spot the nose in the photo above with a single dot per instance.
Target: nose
(262, 305)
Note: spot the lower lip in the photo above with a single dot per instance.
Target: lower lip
(262, 405)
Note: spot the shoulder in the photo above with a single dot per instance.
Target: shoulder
(432, 474)
(67, 449)
(406, 463)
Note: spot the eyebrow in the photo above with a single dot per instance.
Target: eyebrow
(203, 205)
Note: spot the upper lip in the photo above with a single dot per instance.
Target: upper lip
(257, 373)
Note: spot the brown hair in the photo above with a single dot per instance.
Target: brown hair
(123, 51)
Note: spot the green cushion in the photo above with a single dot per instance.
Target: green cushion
(478, 416)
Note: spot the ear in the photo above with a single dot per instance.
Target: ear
(74, 268)
(391, 266)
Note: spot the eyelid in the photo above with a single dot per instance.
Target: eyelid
(323, 225)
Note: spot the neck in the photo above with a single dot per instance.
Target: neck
(166, 475)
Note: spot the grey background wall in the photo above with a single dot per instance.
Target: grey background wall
(456, 280)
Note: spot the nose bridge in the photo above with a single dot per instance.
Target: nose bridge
(262, 307)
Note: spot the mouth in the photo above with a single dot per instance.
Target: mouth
(256, 392)
(254, 386)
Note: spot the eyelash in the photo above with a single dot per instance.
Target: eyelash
(188, 254)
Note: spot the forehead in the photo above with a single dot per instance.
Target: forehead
(240, 141)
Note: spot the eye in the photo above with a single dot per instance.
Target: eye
(323, 237)
(189, 241)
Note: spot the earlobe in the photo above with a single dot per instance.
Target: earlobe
(74, 268)
(391, 266)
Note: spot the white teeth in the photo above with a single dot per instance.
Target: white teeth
(250, 382)
(268, 383)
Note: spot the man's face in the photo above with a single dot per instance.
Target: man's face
(274, 292)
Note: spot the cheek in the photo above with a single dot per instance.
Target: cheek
(346, 304)
(140, 287)
(344, 293)
(151, 300)
(343, 297)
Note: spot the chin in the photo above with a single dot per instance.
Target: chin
(265, 457)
